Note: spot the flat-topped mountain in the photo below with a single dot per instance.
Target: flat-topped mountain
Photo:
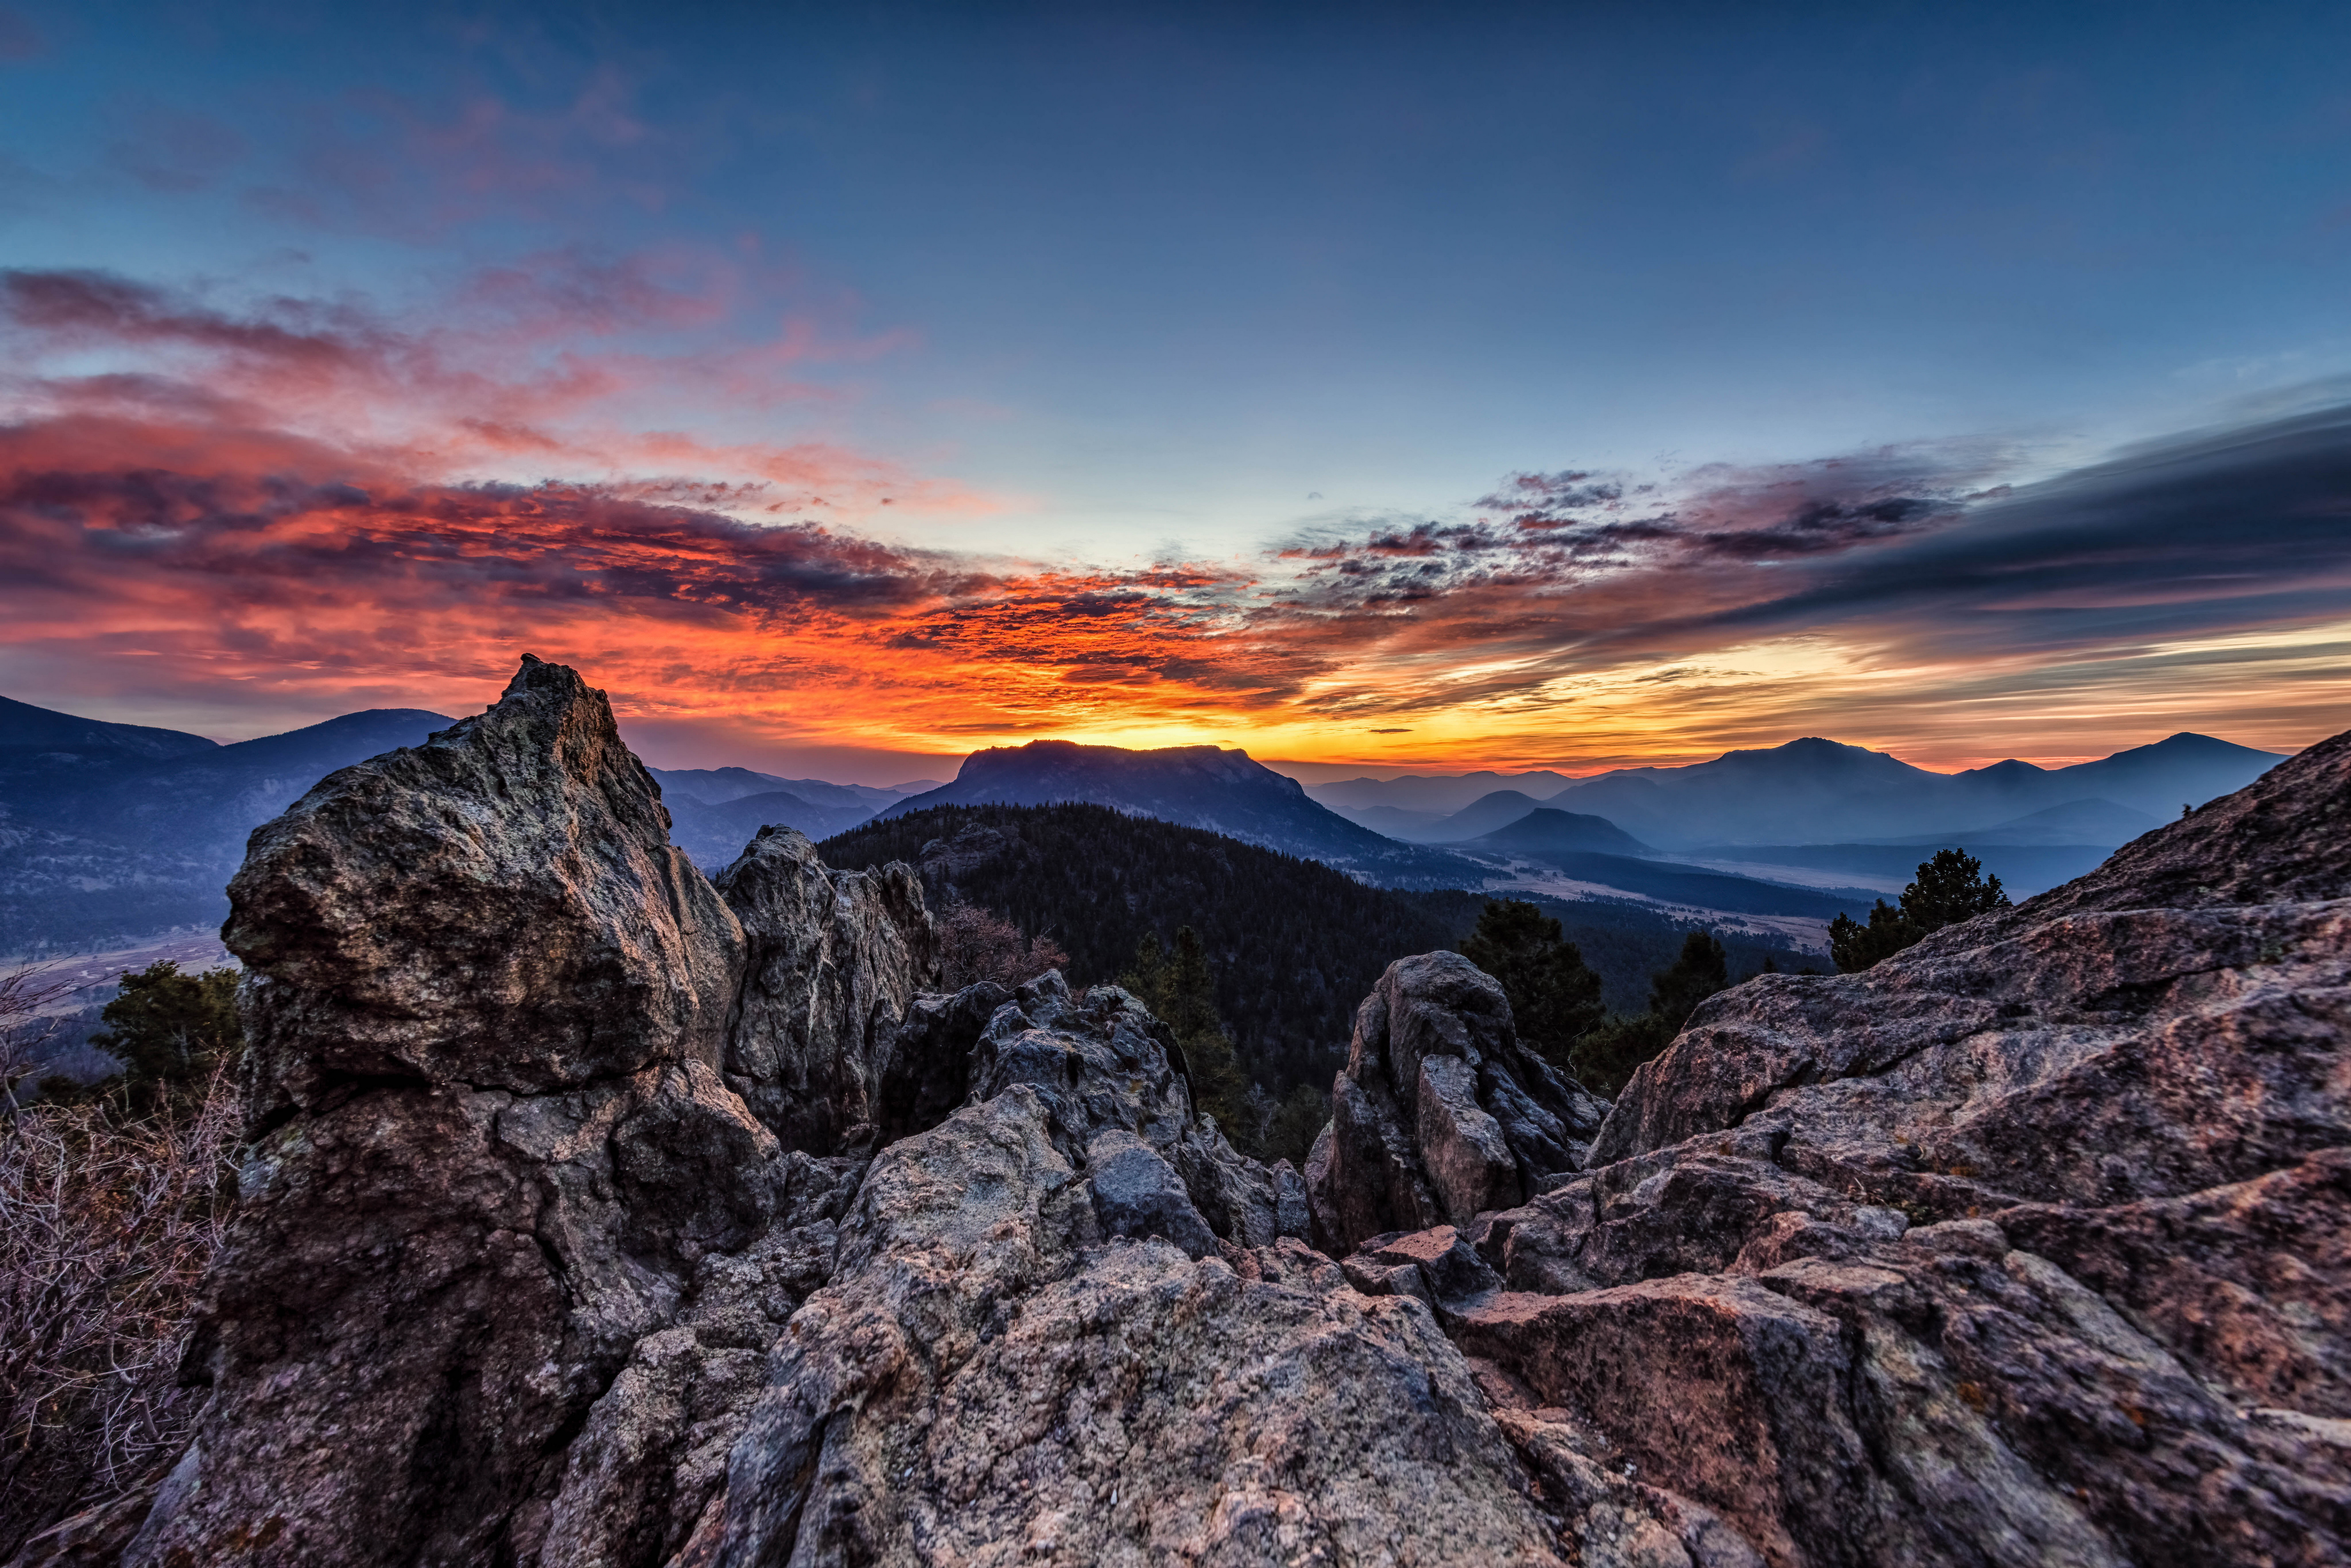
(1219, 788)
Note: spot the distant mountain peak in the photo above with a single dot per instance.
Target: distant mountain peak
(1221, 789)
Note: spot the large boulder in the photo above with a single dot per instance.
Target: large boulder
(499, 907)
(486, 1002)
(1440, 1114)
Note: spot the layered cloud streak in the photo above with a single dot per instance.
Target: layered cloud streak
(321, 504)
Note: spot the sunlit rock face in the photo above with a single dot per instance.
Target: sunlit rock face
(597, 1215)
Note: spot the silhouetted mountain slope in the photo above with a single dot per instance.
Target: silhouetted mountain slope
(98, 845)
(1393, 822)
(1195, 785)
(206, 803)
(1483, 815)
(1547, 830)
(1292, 939)
(715, 811)
(22, 726)
(1289, 938)
(1439, 795)
(2183, 771)
(2023, 869)
(1814, 792)
(713, 835)
(718, 786)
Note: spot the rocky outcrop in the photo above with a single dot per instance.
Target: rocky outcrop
(2025, 1246)
(595, 1216)
(995, 1374)
(1440, 1114)
(498, 907)
(562, 1239)
(835, 961)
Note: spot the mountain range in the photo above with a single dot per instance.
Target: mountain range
(715, 811)
(109, 831)
(1813, 791)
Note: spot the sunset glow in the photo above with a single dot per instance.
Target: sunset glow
(242, 505)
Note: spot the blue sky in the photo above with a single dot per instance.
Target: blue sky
(1123, 284)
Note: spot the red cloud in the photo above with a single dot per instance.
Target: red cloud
(285, 498)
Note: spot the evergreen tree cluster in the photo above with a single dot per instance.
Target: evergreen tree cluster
(1291, 945)
(1287, 948)
(172, 1032)
(1176, 982)
(1626, 943)
(1949, 888)
(1555, 996)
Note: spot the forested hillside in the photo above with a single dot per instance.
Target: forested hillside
(1295, 946)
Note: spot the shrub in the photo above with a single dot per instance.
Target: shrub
(976, 945)
(108, 1220)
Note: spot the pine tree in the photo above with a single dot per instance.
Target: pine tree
(1180, 989)
(1949, 888)
(1554, 995)
(171, 1031)
(1606, 1057)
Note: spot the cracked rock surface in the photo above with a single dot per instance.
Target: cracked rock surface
(595, 1215)
(2028, 1245)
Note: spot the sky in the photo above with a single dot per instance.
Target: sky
(1424, 388)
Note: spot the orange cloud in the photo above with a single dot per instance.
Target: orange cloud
(282, 511)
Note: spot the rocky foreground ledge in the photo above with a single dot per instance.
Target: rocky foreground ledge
(598, 1216)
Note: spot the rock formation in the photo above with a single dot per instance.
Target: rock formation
(1440, 1114)
(2028, 1245)
(595, 1216)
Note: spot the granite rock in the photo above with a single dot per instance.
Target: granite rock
(1440, 1114)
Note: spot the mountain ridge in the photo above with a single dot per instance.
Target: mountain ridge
(1785, 794)
(1222, 789)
